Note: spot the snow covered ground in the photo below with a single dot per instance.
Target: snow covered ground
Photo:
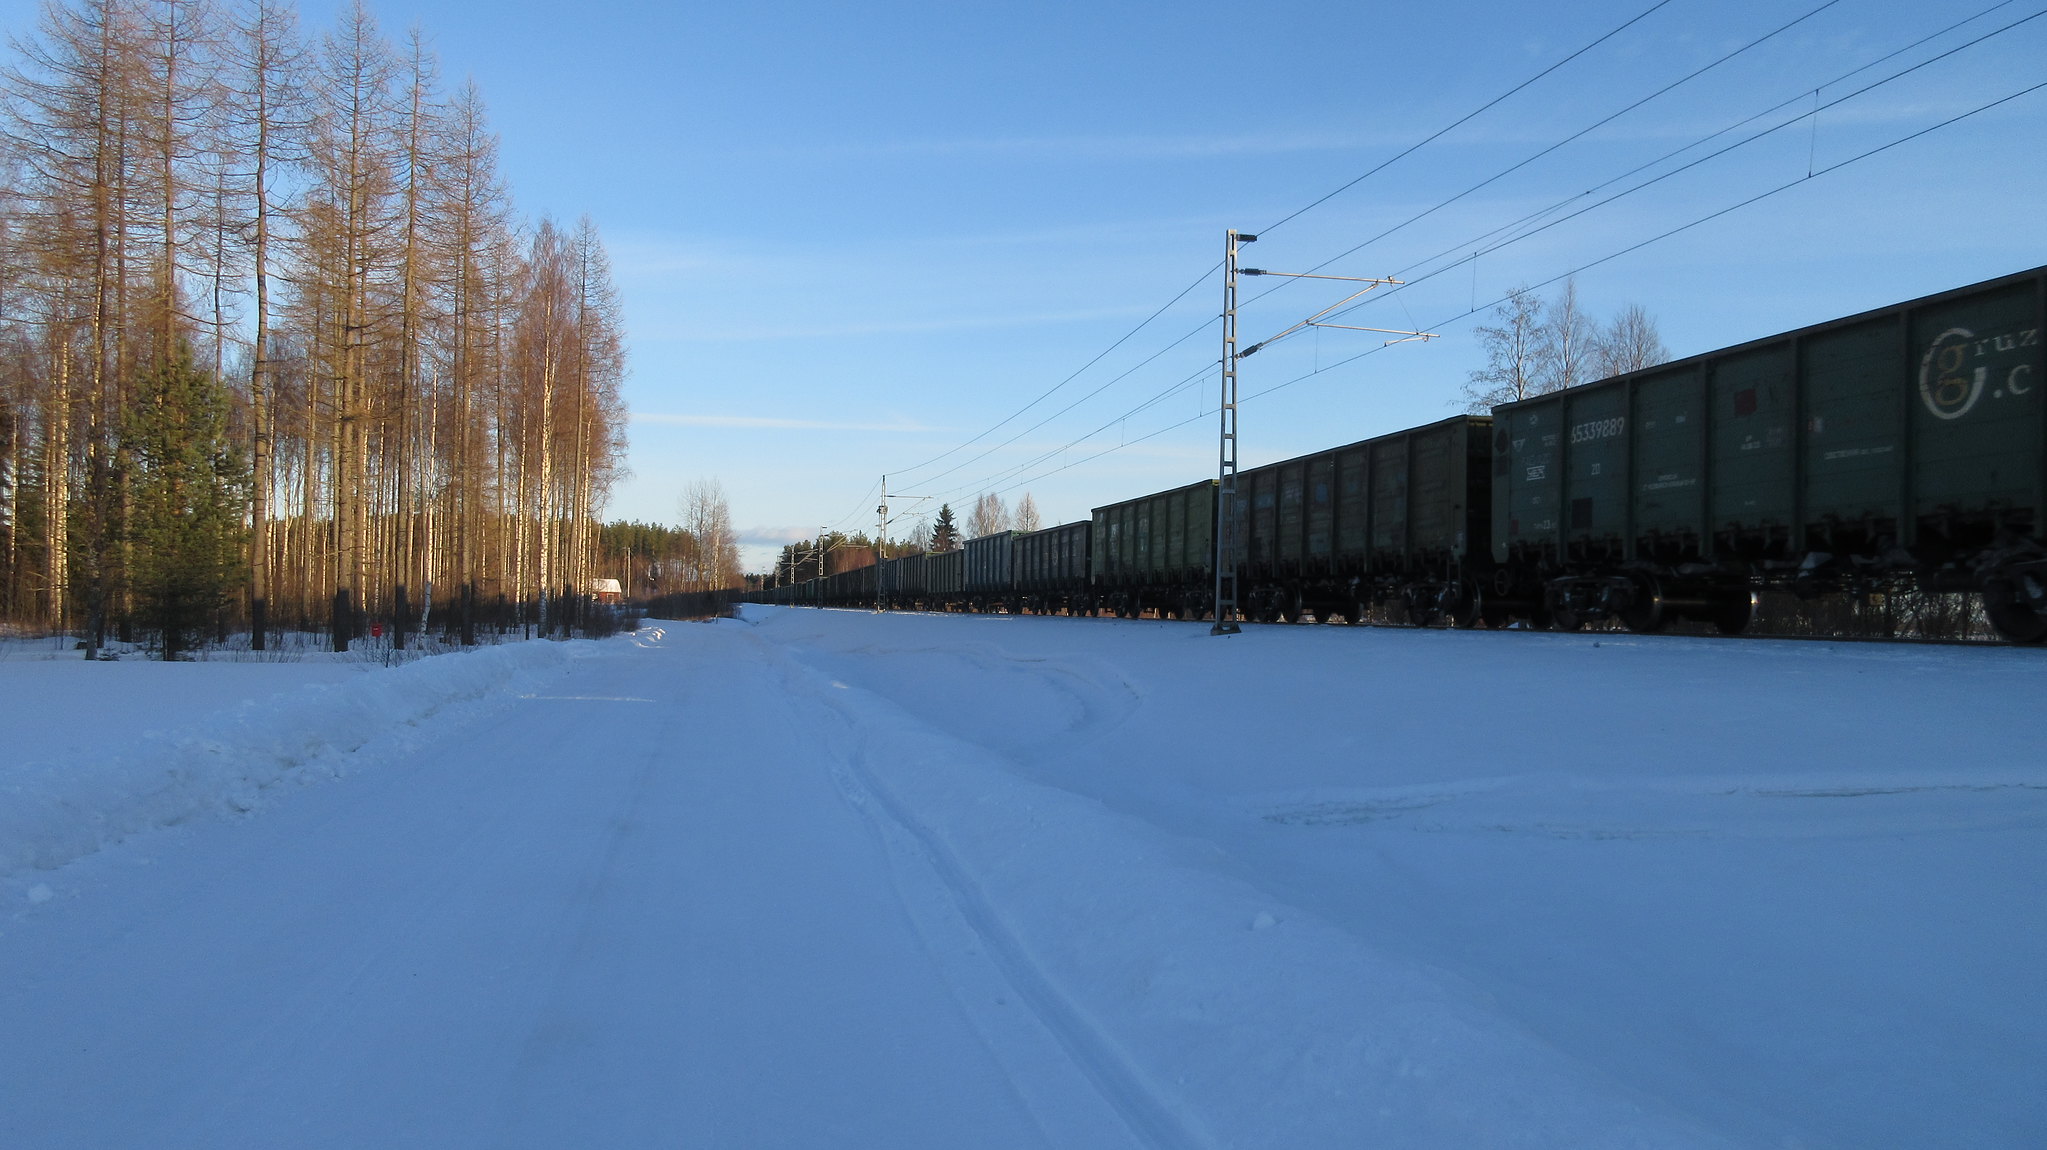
(835, 879)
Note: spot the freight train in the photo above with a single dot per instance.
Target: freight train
(1902, 448)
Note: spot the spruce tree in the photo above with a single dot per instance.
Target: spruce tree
(945, 535)
(191, 490)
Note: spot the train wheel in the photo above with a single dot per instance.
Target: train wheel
(1291, 609)
(1423, 610)
(1562, 617)
(1645, 614)
(2011, 614)
(1733, 617)
(1470, 607)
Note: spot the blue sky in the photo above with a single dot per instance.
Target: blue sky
(852, 237)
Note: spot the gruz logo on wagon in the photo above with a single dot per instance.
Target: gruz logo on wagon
(1948, 383)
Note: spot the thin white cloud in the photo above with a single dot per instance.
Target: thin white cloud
(1097, 147)
(886, 327)
(774, 536)
(773, 423)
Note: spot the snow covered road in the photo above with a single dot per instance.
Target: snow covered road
(633, 910)
(826, 879)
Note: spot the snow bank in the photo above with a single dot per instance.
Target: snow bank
(56, 810)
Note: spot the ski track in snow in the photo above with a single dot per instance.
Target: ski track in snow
(1150, 1119)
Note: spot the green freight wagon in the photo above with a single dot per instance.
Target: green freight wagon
(850, 588)
(1052, 569)
(1156, 553)
(1400, 519)
(945, 576)
(1903, 447)
(901, 582)
(990, 573)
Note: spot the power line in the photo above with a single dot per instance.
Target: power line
(1536, 215)
(1159, 397)
(1708, 138)
(1684, 227)
(1709, 217)
(1197, 330)
(1184, 383)
(1408, 151)
(1049, 392)
(1380, 167)
(860, 509)
(1538, 230)
(1201, 418)
(1577, 135)
(1465, 119)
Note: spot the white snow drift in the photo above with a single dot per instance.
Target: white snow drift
(57, 809)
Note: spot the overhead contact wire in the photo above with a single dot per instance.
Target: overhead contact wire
(1447, 321)
(1538, 230)
(1684, 227)
(1049, 392)
(1404, 153)
(1465, 119)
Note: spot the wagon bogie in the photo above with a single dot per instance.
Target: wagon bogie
(2013, 581)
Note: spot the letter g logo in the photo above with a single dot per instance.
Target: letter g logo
(1946, 386)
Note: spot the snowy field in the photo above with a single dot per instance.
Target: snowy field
(831, 879)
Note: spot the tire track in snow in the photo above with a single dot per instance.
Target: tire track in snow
(1150, 1118)
(1099, 697)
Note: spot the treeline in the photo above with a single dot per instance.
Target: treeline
(1536, 346)
(422, 392)
(651, 560)
(832, 552)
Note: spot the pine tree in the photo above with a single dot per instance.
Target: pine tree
(190, 492)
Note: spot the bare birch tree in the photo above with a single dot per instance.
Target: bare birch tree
(1566, 343)
(1510, 342)
(708, 519)
(1630, 343)
(1535, 347)
(988, 517)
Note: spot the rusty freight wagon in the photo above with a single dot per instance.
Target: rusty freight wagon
(1901, 448)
